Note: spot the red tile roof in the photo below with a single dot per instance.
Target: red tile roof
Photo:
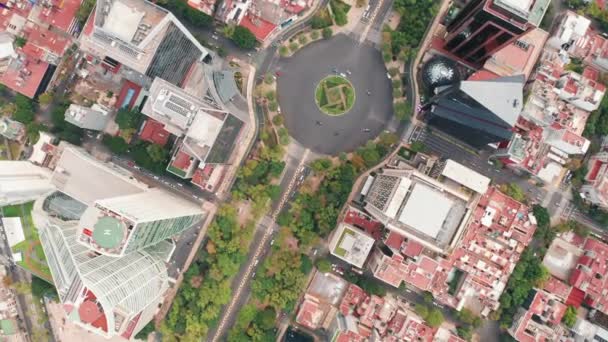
(360, 220)
(557, 288)
(591, 274)
(258, 26)
(543, 305)
(353, 296)
(182, 161)
(61, 14)
(394, 240)
(412, 249)
(310, 314)
(26, 79)
(154, 132)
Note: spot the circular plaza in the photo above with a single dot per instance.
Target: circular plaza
(335, 95)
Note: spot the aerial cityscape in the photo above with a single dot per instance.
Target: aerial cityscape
(303, 170)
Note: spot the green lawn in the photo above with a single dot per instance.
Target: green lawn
(31, 250)
(176, 171)
(334, 95)
(339, 250)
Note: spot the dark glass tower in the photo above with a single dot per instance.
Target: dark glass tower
(484, 26)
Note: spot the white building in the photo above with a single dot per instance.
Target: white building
(94, 118)
(114, 291)
(351, 244)
(22, 182)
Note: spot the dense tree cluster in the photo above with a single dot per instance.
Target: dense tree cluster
(528, 273)
(340, 12)
(128, 119)
(315, 214)
(243, 38)
(253, 182)
(253, 324)
(206, 286)
(63, 129)
(415, 17)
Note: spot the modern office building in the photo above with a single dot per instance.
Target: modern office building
(143, 37)
(121, 225)
(21, 182)
(478, 112)
(483, 27)
(105, 236)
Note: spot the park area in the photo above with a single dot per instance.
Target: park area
(335, 95)
(32, 255)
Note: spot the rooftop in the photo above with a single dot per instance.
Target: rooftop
(417, 206)
(351, 245)
(87, 180)
(518, 57)
(465, 176)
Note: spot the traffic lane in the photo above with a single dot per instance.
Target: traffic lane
(323, 133)
(183, 247)
(188, 190)
(240, 277)
(477, 162)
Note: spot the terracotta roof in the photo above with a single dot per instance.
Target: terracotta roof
(154, 132)
(258, 26)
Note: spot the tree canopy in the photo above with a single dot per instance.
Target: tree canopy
(243, 38)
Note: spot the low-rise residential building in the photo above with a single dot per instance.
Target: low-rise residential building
(43, 30)
(351, 244)
(205, 6)
(261, 17)
(44, 149)
(539, 320)
(319, 306)
(94, 118)
(595, 189)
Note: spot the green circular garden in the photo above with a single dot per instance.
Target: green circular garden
(335, 95)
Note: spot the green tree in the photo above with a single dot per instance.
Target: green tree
(24, 111)
(20, 41)
(84, 11)
(569, 317)
(283, 51)
(266, 319)
(116, 144)
(465, 332)
(418, 146)
(513, 190)
(327, 33)
(402, 110)
(278, 120)
(145, 331)
(243, 38)
(45, 98)
(434, 318)
(323, 265)
(268, 78)
(126, 118)
(33, 130)
(157, 153)
(421, 310)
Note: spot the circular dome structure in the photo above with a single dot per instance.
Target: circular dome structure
(439, 71)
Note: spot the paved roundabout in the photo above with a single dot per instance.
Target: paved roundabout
(300, 76)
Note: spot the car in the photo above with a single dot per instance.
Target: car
(253, 275)
(342, 74)
(156, 177)
(278, 73)
(272, 242)
(215, 37)
(348, 71)
(255, 263)
(180, 184)
(249, 54)
(388, 75)
(136, 167)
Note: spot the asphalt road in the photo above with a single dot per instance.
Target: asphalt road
(449, 147)
(300, 75)
(260, 245)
